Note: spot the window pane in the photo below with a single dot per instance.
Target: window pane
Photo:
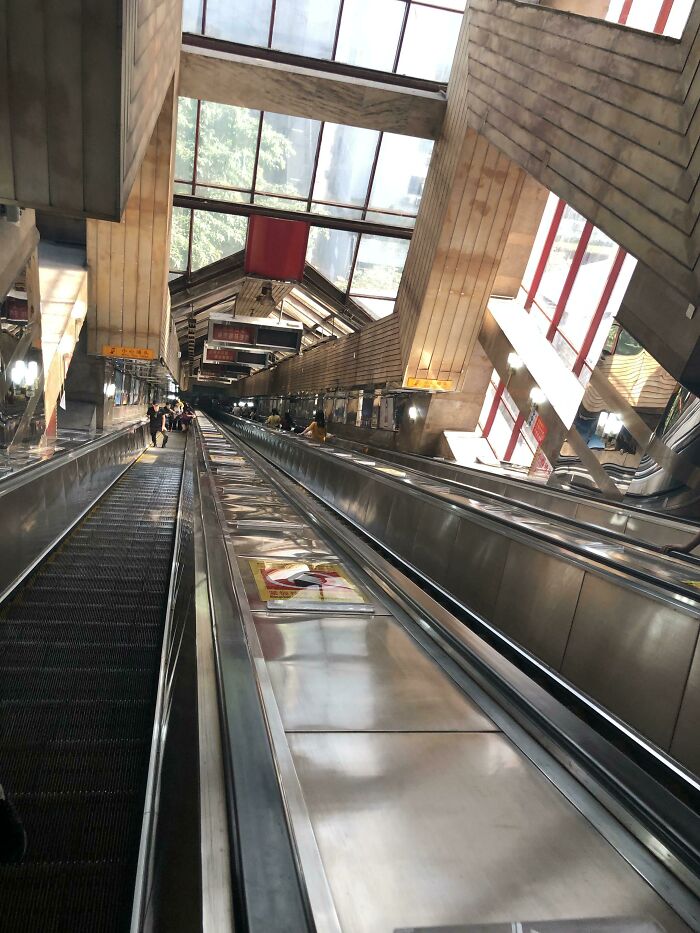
(450, 4)
(330, 210)
(380, 262)
(222, 194)
(488, 402)
(179, 238)
(345, 163)
(374, 47)
(306, 27)
(287, 153)
(559, 262)
(396, 220)
(192, 16)
(330, 252)
(376, 307)
(215, 236)
(227, 140)
(588, 287)
(401, 170)
(501, 431)
(281, 204)
(429, 43)
(243, 21)
(184, 144)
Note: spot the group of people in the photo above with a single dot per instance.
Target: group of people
(316, 430)
(164, 417)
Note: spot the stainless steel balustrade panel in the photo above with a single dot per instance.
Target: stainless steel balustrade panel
(436, 531)
(37, 509)
(476, 566)
(685, 745)
(601, 518)
(632, 654)
(655, 532)
(338, 672)
(435, 829)
(537, 600)
(627, 650)
(283, 544)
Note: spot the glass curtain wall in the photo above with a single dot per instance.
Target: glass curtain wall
(407, 37)
(232, 154)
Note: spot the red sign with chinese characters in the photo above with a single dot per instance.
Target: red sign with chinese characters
(539, 429)
(220, 355)
(276, 249)
(233, 333)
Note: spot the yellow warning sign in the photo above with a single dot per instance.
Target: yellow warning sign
(128, 353)
(439, 385)
(304, 582)
(695, 583)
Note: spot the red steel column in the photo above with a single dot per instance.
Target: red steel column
(494, 408)
(663, 16)
(517, 427)
(625, 11)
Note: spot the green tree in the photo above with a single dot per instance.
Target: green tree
(226, 156)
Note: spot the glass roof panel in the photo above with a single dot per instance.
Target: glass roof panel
(429, 43)
(220, 160)
(370, 46)
(287, 154)
(401, 171)
(306, 27)
(216, 235)
(345, 163)
(331, 252)
(380, 262)
(377, 307)
(243, 21)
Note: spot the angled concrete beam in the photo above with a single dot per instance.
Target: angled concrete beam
(304, 92)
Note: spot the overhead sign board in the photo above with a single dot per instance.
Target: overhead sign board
(255, 332)
(228, 355)
(128, 353)
(433, 385)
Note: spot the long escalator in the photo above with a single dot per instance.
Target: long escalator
(80, 647)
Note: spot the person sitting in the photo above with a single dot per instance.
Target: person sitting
(317, 429)
(274, 420)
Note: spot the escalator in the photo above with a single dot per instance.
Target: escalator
(80, 650)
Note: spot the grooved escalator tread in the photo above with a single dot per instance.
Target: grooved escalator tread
(80, 647)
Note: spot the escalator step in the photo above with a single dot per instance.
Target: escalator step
(93, 684)
(66, 897)
(44, 654)
(65, 633)
(89, 721)
(73, 828)
(75, 767)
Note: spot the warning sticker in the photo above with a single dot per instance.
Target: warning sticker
(298, 582)
(695, 583)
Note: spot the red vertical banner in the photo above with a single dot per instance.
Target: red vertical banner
(276, 249)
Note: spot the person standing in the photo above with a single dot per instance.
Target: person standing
(274, 420)
(156, 423)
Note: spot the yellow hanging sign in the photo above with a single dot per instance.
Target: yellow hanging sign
(128, 353)
(439, 385)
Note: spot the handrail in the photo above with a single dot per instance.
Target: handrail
(172, 639)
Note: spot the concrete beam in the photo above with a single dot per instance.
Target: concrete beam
(304, 92)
